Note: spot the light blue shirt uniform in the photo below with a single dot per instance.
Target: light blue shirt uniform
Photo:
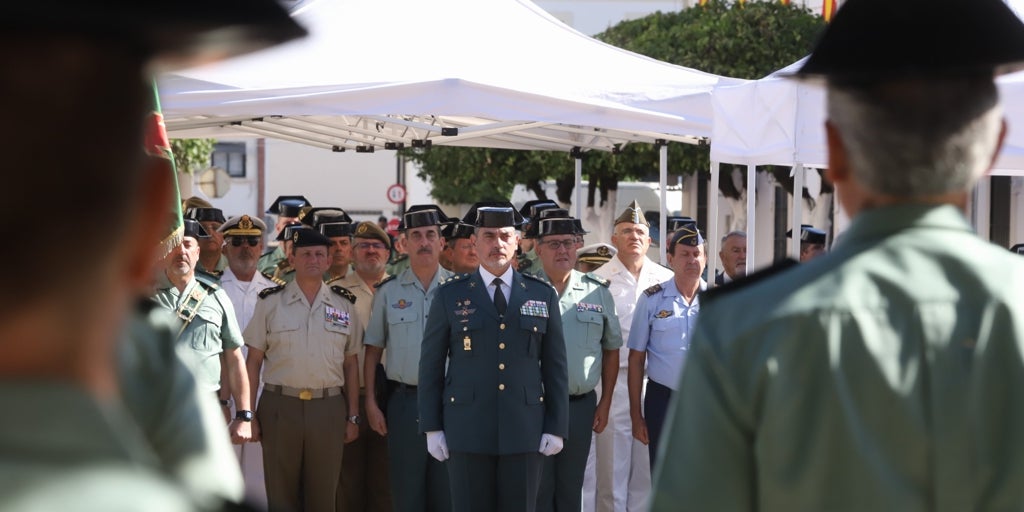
(662, 326)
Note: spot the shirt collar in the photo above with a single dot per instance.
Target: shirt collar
(488, 277)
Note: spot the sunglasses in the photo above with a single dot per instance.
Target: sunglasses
(237, 241)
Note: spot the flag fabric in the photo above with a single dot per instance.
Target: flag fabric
(828, 9)
(158, 145)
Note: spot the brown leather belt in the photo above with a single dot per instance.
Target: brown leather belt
(303, 393)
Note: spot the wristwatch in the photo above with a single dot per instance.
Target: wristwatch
(243, 415)
(354, 419)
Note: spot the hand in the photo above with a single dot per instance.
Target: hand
(601, 416)
(437, 445)
(241, 431)
(640, 429)
(376, 418)
(351, 432)
(257, 432)
(550, 445)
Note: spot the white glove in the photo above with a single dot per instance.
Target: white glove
(550, 445)
(438, 447)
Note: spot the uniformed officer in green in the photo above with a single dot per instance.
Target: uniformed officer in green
(886, 374)
(400, 260)
(209, 327)
(365, 484)
(459, 251)
(592, 341)
(66, 442)
(399, 314)
(303, 338)
(531, 210)
(493, 382)
(287, 209)
(284, 270)
(336, 225)
(211, 250)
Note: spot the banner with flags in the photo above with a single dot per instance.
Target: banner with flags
(158, 145)
(828, 9)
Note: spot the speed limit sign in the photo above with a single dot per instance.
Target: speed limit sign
(396, 194)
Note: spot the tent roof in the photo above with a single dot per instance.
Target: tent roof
(503, 72)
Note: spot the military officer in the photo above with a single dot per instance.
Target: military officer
(304, 336)
(211, 254)
(287, 209)
(209, 326)
(400, 306)
(623, 476)
(882, 375)
(243, 236)
(530, 211)
(458, 248)
(812, 242)
(336, 225)
(365, 483)
(660, 334)
(503, 401)
(283, 270)
(592, 341)
(400, 261)
(591, 257)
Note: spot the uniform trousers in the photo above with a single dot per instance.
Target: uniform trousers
(364, 470)
(561, 487)
(499, 483)
(303, 441)
(419, 482)
(623, 481)
(655, 407)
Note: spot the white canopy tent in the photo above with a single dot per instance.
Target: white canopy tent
(399, 73)
(501, 73)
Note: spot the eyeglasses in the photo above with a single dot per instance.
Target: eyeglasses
(565, 244)
(371, 245)
(237, 241)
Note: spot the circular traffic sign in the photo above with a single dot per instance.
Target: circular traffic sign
(396, 194)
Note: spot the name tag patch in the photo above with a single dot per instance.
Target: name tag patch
(534, 308)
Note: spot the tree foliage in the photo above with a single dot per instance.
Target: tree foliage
(746, 40)
(191, 155)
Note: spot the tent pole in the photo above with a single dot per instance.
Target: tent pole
(577, 155)
(712, 227)
(751, 224)
(798, 209)
(662, 183)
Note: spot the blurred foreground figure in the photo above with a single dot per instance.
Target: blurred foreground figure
(66, 442)
(883, 375)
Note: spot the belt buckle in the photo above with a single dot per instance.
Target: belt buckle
(305, 394)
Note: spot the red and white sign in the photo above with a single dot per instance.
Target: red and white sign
(396, 194)
(393, 227)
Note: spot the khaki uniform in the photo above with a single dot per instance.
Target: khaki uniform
(269, 260)
(302, 412)
(364, 470)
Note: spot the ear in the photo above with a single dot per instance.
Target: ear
(155, 188)
(838, 170)
(999, 145)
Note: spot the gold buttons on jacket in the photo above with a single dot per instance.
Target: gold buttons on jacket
(501, 366)
(501, 346)
(501, 387)
(502, 327)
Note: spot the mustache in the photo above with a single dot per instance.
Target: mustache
(425, 250)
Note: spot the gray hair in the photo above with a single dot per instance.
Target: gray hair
(732, 234)
(916, 138)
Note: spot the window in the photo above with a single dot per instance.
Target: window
(229, 156)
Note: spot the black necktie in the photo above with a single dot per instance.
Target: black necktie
(499, 298)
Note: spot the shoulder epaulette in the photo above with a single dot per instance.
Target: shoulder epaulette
(341, 290)
(454, 278)
(652, 290)
(266, 292)
(597, 279)
(535, 278)
(207, 280)
(385, 280)
(276, 280)
(749, 279)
